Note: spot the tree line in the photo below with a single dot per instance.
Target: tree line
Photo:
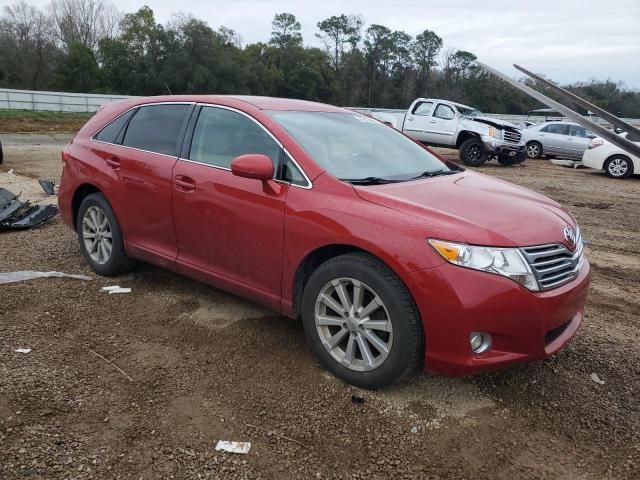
(90, 46)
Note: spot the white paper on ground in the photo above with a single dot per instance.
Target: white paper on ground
(112, 287)
(23, 350)
(12, 277)
(119, 290)
(233, 447)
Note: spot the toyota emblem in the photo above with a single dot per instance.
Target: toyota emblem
(570, 236)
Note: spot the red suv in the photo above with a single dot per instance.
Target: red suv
(392, 256)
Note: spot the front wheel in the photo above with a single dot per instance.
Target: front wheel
(534, 150)
(618, 166)
(361, 321)
(472, 152)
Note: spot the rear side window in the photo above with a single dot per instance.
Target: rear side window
(557, 128)
(156, 128)
(109, 134)
(221, 135)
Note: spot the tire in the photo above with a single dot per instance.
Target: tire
(534, 150)
(472, 152)
(395, 323)
(1, 154)
(619, 167)
(95, 209)
(507, 161)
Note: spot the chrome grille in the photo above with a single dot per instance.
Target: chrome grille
(511, 136)
(554, 265)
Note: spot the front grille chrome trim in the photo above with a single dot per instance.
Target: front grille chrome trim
(553, 265)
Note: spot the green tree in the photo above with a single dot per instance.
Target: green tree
(425, 51)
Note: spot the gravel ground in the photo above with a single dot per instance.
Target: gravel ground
(199, 365)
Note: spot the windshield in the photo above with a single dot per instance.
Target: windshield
(354, 147)
(469, 112)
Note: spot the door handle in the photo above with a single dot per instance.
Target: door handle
(184, 183)
(113, 162)
(410, 119)
(432, 121)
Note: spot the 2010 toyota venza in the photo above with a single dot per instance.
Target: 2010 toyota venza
(392, 256)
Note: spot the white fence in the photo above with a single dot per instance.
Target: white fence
(53, 101)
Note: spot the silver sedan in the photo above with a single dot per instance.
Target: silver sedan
(557, 139)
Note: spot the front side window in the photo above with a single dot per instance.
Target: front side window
(156, 128)
(577, 131)
(221, 135)
(444, 112)
(352, 146)
(423, 109)
(557, 128)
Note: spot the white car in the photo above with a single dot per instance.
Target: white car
(615, 162)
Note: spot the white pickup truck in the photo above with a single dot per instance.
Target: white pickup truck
(448, 124)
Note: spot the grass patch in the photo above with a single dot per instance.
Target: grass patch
(27, 121)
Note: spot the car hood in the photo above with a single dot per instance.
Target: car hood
(494, 122)
(482, 210)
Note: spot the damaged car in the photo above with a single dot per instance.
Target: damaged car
(442, 123)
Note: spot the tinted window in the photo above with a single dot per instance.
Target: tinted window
(156, 128)
(557, 128)
(423, 108)
(221, 135)
(445, 112)
(110, 133)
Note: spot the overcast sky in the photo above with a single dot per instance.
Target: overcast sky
(567, 40)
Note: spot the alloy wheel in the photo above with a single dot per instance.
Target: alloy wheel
(533, 151)
(353, 324)
(618, 167)
(474, 152)
(97, 235)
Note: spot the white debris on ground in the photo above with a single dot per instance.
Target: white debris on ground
(115, 289)
(233, 447)
(597, 379)
(21, 276)
(23, 350)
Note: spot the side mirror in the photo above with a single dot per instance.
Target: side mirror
(591, 136)
(253, 165)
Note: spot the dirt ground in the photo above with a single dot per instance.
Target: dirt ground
(199, 365)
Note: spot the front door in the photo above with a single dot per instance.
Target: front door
(415, 124)
(229, 229)
(441, 126)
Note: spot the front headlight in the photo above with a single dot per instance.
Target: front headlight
(494, 132)
(507, 262)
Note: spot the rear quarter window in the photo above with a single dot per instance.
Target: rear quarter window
(157, 128)
(111, 131)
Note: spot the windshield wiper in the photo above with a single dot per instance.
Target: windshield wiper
(371, 180)
(435, 173)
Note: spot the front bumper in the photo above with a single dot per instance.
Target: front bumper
(524, 325)
(499, 147)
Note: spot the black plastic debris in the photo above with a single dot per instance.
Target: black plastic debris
(15, 214)
(48, 186)
(357, 399)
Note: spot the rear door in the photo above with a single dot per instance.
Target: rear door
(230, 229)
(144, 164)
(554, 139)
(578, 140)
(441, 125)
(415, 124)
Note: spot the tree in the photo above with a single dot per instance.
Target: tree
(425, 51)
(377, 47)
(84, 21)
(78, 72)
(338, 31)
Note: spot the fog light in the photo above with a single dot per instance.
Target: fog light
(480, 342)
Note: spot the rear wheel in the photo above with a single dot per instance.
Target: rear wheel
(472, 152)
(100, 237)
(618, 166)
(361, 321)
(534, 150)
